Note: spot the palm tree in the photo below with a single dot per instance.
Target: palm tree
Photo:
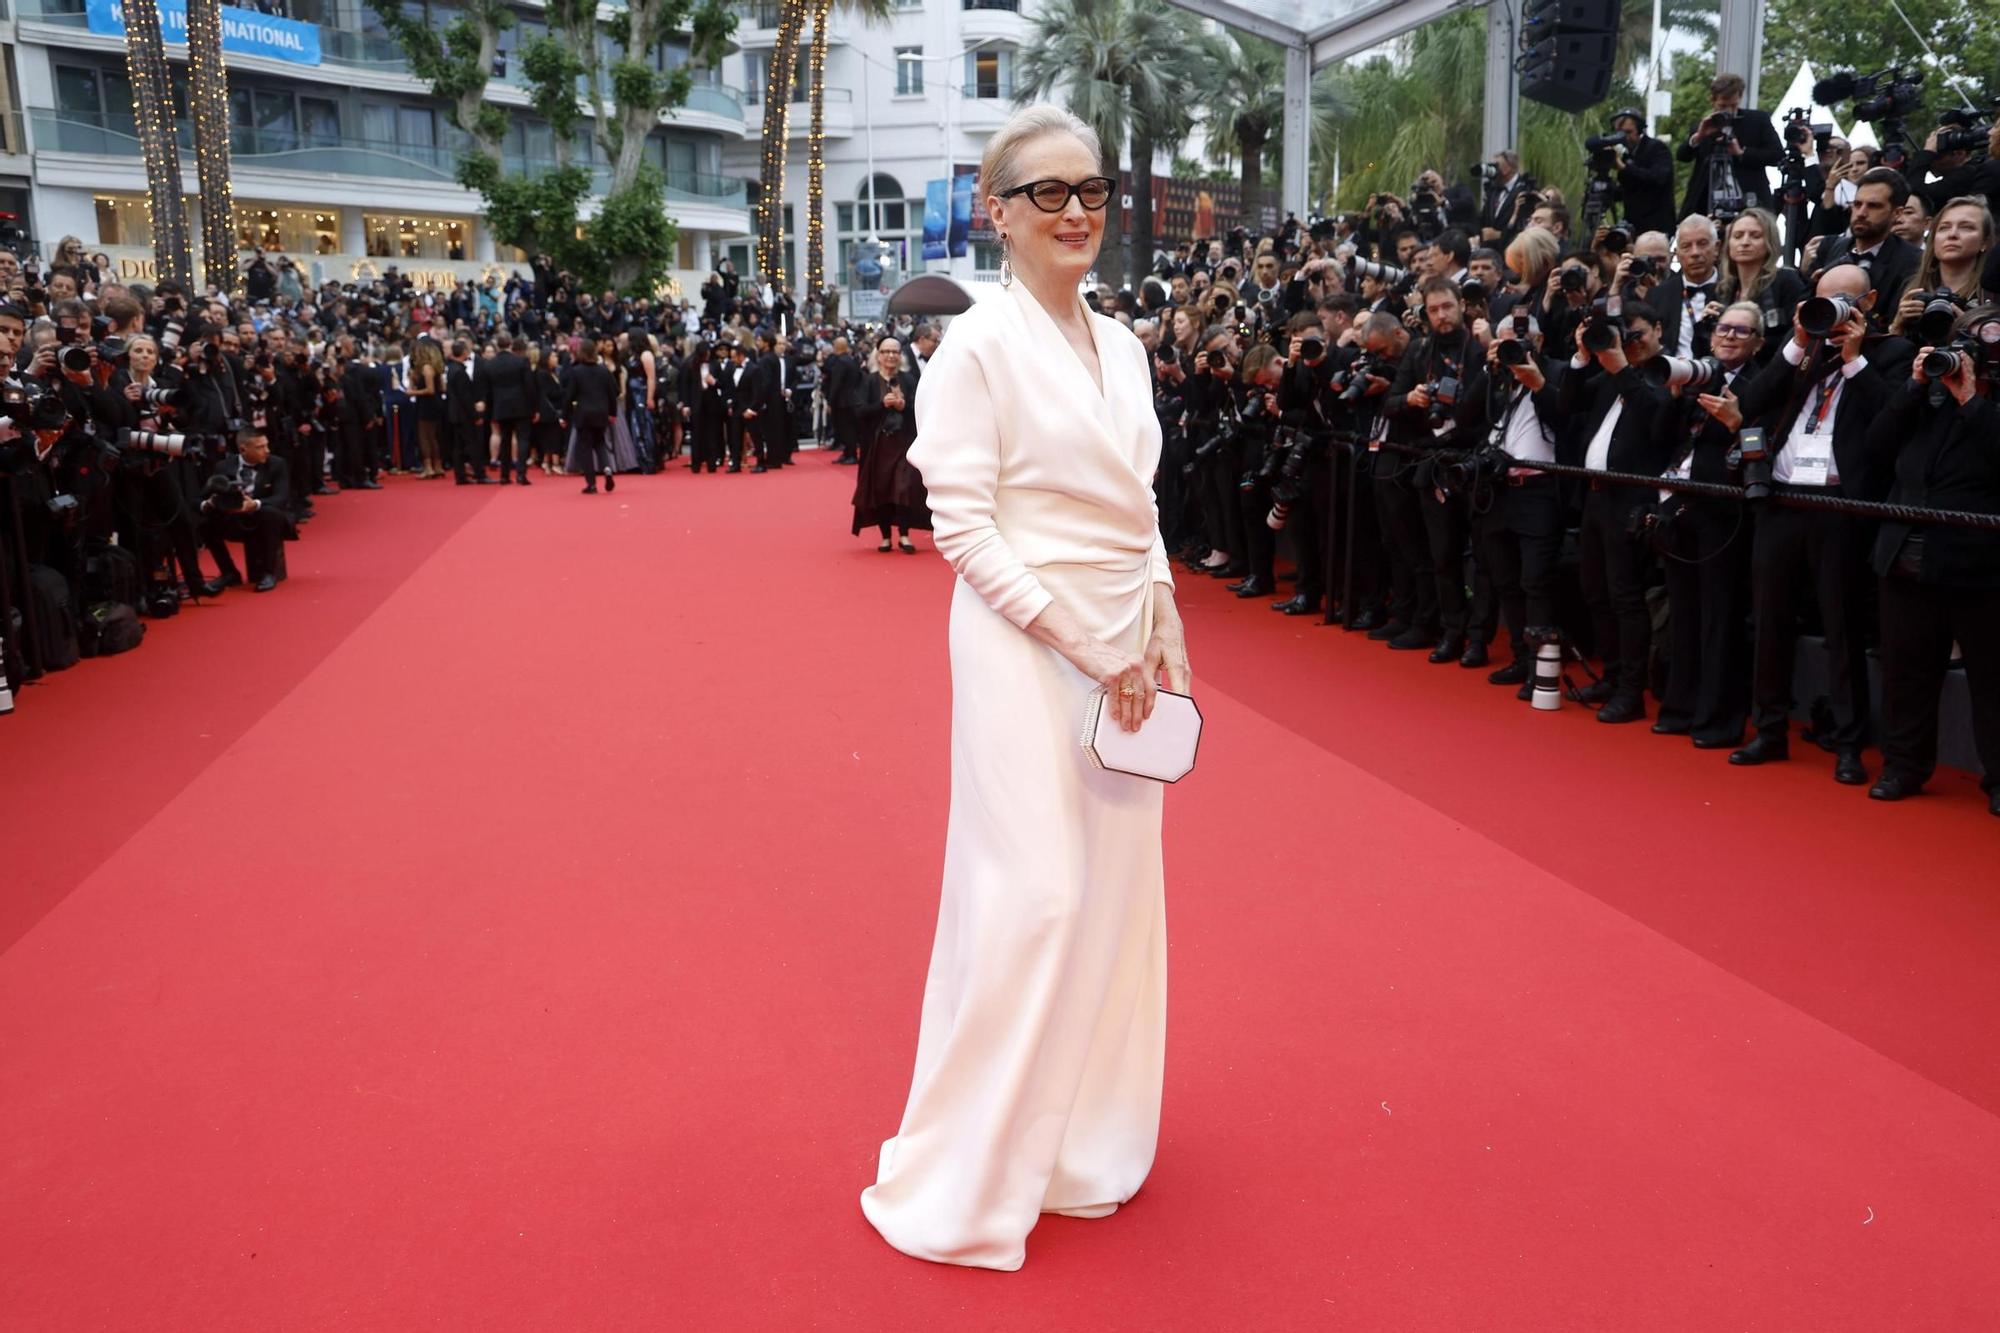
(778, 78)
(1124, 68)
(869, 11)
(1243, 104)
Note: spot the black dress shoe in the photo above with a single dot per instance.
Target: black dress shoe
(1665, 728)
(1234, 569)
(1894, 787)
(523, 479)
(1449, 648)
(371, 485)
(1762, 750)
(1597, 692)
(1717, 742)
(1373, 618)
(1387, 629)
(1300, 606)
(1993, 801)
(1848, 770)
(1513, 673)
(506, 481)
(1526, 692)
(230, 579)
(1475, 656)
(1253, 587)
(326, 490)
(1623, 708)
(1412, 640)
(759, 468)
(214, 587)
(265, 584)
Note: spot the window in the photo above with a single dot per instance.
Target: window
(894, 217)
(989, 74)
(757, 70)
(392, 237)
(909, 73)
(681, 159)
(94, 96)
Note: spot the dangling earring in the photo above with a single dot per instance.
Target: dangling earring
(1006, 268)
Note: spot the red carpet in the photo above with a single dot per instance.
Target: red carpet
(518, 921)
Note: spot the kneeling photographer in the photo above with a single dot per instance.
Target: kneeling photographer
(245, 500)
(1518, 511)
(1704, 543)
(1940, 585)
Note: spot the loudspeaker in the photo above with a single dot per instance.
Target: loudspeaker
(1568, 48)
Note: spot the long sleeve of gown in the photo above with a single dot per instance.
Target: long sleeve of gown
(958, 451)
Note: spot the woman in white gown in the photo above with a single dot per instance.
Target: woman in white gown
(1043, 1031)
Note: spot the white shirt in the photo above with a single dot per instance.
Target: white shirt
(1816, 416)
(1598, 457)
(1526, 438)
(1693, 304)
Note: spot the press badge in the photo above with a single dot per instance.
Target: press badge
(1812, 460)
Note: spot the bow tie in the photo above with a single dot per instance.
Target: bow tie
(1705, 289)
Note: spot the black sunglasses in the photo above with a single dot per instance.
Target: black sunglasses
(1052, 196)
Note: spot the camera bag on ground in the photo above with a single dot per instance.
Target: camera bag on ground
(109, 628)
(54, 619)
(112, 574)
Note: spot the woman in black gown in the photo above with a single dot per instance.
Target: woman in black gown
(887, 489)
(702, 407)
(591, 402)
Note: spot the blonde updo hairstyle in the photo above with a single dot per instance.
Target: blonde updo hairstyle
(1000, 168)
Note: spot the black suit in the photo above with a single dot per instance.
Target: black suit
(1761, 150)
(261, 531)
(1646, 182)
(1938, 584)
(1614, 561)
(510, 401)
(1670, 300)
(770, 398)
(1803, 555)
(840, 381)
(1497, 209)
(468, 456)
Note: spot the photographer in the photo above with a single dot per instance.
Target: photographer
(1960, 170)
(1499, 211)
(1645, 174)
(1211, 421)
(1519, 534)
(1704, 543)
(1816, 401)
(1425, 398)
(1302, 491)
(1731, 150)
(1411, 616)
(1617, 410)
(156, 492)
(1257, 410)
(1686, 298)
(1889, 261)
(1940, 585)
(245, 500)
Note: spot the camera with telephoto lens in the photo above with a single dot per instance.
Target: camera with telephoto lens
(1600, 143)
(1460, 471)
(1959, 131)
(1976, 351)
(32, 406)
(1574, 279)
(166, 444)
(1167, 355)
(1941, 310)
(1380, 272)
(1513, 352)
(1601, 333)
(1642, 266)
(1696, 374)
(1819, 316)
(164, 397)
(1355, 385)
(170, 335)
(75, 359)
(221, 495)
(1311, 349)
(1750, 458)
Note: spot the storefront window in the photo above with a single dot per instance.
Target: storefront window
(393, 237)
(123, 220)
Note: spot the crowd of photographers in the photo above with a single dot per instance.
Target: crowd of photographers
(141, 425)
(1636, 431)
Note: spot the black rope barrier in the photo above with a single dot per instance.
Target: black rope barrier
(1790, 499)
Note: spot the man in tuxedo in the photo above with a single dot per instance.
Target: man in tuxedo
(1871, 244)
(1682, 298)
(840, 381)
(1731, 150)
(1645, 175)
(923, 346)
(1617, 411)
(505, 390)
(736, 383)
(356, 412)
(769, 410)
(1497, 221)
(461, 417)
(264, 486)
(1816, 400)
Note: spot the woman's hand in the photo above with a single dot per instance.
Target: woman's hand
(1128, 682)
(1166, 650)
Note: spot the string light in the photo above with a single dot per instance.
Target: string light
(208, 96)
(816, 155)
(152, 107)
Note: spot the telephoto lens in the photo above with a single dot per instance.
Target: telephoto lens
(1574, 279)
(1600, 334)
(1944, 362)
(153, 442)
(1512, 352)
(1311, 349)
(1821, 315)
(75, 360)
(1697, 374)
(1941, 312)
(162, 395)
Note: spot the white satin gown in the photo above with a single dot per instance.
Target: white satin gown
(1043, 1030)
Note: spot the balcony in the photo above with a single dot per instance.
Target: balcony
(991, 21)
(251, 149)
(839, 108)
(359, 52)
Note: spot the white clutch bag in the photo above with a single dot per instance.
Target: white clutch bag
(1162, 748)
